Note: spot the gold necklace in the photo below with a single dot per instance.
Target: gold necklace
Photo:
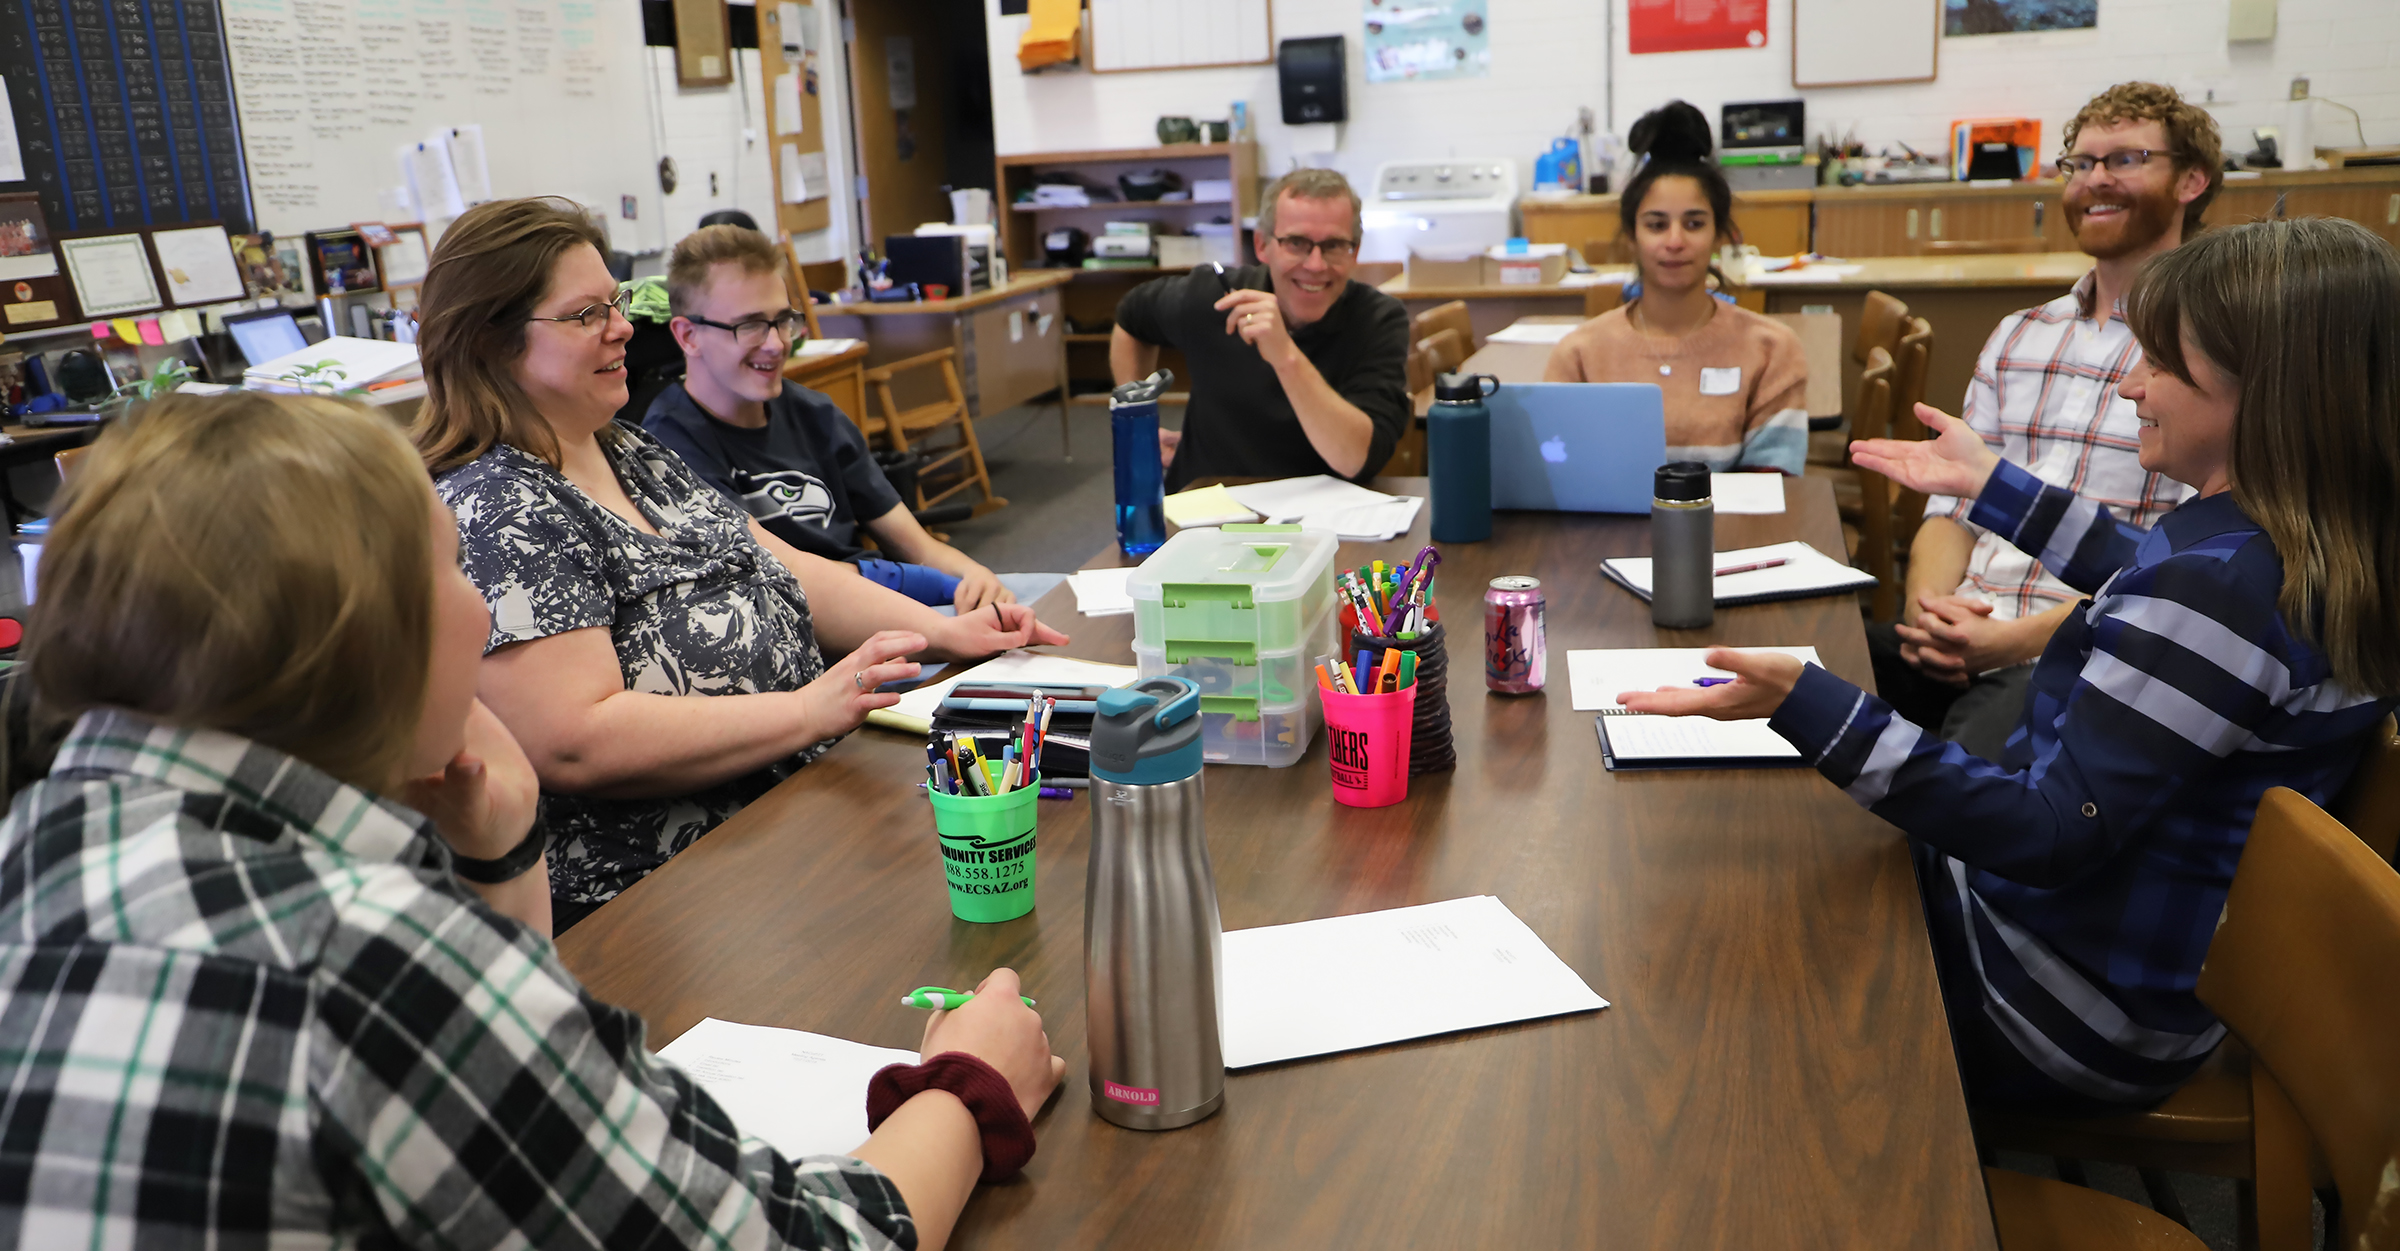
(1641, 328)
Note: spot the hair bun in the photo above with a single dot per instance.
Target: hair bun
(1673, 132)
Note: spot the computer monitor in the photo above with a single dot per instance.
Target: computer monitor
(264, 334)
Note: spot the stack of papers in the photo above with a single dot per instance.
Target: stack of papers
(1101, 592)
(1534, 332)
(1206, 506)
(825, 347)
(1313, 988)
(914, 713)
(1805, 572)
(800, 1093)
(1322, 502)
(341, 363)
(1633, 740)
(1746, 493)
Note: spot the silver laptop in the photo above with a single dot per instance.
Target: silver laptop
(1577, 447)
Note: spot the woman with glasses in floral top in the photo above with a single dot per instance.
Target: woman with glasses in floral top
(654, 649)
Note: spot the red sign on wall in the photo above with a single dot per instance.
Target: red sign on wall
(1692, 25)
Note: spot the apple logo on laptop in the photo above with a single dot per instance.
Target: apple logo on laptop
(1554, 450)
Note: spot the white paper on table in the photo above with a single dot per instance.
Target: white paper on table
(801, 1093)
(468, 164)
(1803, 274)
(1533, 332)
(1101, 592)
(1632, 740)
(1747, 493)
(787, 102)
(1595, 678)
(1317, 987)
(1805, 572)
(827, 347)
(12, 157)
(198, 263)
(111, 274)
(1602, 278)
(1366, 523)
(915, 710)
(1288, 499)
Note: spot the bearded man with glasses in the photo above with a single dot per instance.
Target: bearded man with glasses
(1295, 369)
(2140, 166)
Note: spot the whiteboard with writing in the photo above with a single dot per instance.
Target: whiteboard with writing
(330, 90)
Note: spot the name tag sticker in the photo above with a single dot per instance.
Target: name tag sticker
(1727, 381)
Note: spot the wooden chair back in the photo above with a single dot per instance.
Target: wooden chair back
(1452, 317)
(795, 286)
(2301, 971)
(1601, 297)
(1872, 419)
(1910, 363)
(1444, 351)
(1987, 247)
(903, 426)
(1420, 369)
(1881, 321)
(1376, 273)
(1614, 250)
(2370, 804)
(66, 460)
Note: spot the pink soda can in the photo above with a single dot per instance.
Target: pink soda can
(1515, 646)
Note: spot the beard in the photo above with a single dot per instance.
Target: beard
(2147, 219)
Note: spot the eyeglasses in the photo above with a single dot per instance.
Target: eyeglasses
(2078, 164)
(790, 323)
(594, 316)
(1336, 250)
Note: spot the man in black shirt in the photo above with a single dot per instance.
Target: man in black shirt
(1295, 369)
(781, 451)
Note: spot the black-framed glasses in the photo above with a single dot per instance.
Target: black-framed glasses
(1336, 250)
(594, 316)
(2077, 164)
(750, 332)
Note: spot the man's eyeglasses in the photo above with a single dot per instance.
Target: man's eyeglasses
(750, 332)
(594, 316)
(2078, 164)
(1336, 250)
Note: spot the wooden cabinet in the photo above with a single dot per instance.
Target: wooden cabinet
(2369, 196)
(1775, 222)
(1909, 220)
(1089, 301)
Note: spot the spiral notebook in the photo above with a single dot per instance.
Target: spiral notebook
(1634, 740)
(1805, 572)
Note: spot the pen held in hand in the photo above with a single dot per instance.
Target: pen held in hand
(938, 999)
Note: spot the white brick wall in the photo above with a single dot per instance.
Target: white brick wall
(1546, 60)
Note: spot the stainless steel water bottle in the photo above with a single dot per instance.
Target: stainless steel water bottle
(1683, 548)
(1152, 996)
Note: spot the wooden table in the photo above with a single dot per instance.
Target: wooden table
(1775, 1071)
(838, 376)
(1011, 342)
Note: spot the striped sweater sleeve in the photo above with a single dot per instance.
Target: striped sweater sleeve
(2080, 542)
(2187, 664)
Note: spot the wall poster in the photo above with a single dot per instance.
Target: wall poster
(2002, 17)
(1411, 39)
(1695, 25)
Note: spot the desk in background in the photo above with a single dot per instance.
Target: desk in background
(1011, 342)
(838, 376)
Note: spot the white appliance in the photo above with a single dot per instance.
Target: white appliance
(1447, 208)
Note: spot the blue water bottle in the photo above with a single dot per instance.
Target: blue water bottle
(1141, 480)
(1458, 444)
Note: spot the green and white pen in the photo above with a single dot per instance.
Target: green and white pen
(938, 999)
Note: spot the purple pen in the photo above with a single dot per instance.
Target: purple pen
(1711, 681)
(1058, 792)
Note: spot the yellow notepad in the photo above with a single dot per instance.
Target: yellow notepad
(1207, 506)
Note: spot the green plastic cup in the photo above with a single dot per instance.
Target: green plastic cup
(987, 852)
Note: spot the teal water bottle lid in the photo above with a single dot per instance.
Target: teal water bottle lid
(1148, 733)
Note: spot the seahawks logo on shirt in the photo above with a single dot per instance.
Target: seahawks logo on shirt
(785, 493)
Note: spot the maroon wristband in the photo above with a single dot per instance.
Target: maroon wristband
(1007, 1135)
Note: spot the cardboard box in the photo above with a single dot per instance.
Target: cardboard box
(1179, 252)
(1436, 271)
(1543, 264)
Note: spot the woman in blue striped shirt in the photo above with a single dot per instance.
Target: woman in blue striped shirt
(2245, 642)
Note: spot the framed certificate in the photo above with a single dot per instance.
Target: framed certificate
(405, 259)
(111, 273)
(34, 291)
(199, 265)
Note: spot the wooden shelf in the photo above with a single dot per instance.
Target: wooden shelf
(1125, 156)
(1114, 204)
(1075, 337)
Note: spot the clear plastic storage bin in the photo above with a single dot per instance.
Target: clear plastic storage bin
(1243, 611)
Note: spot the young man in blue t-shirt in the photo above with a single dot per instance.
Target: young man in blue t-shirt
(780, 450)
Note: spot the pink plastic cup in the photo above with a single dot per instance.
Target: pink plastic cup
(1367, 738)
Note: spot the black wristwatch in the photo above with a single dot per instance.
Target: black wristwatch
(507, 868)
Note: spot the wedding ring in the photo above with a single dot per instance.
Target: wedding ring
(860, 678)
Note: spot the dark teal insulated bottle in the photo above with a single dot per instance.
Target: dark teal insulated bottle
(1458, 447)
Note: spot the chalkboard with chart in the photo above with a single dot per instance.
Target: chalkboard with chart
(123, 114)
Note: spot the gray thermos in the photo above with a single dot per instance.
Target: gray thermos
(1152, 994)
(1683, 548)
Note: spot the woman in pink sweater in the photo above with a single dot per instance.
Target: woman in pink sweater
(1734, 380)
